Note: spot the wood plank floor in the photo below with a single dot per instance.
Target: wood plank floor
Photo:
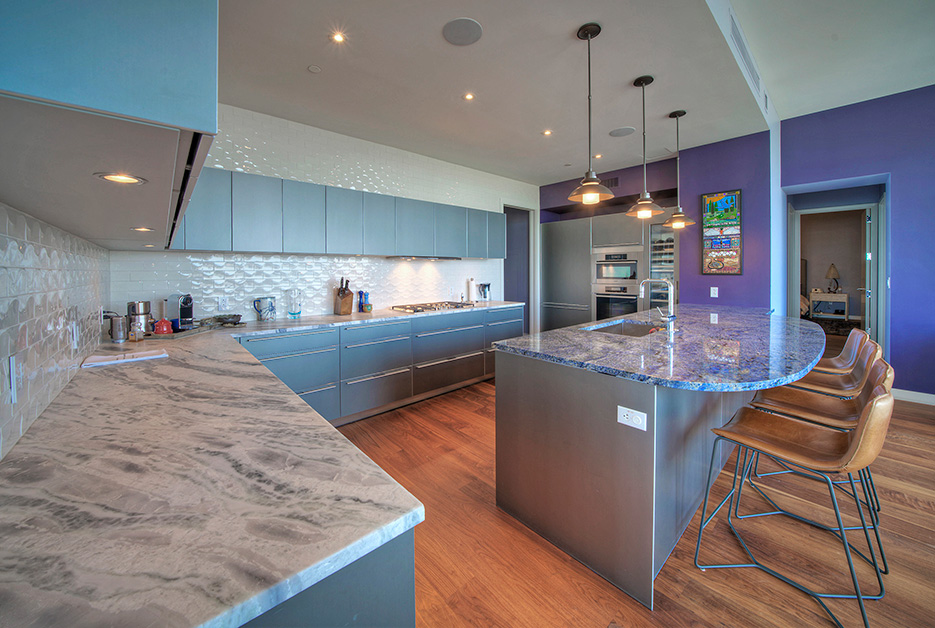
(477, 566)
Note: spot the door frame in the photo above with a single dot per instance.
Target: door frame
(532, 216)
(878, 257)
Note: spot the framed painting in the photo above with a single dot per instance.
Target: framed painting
(721, 235)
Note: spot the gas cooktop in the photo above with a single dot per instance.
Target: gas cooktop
(430, 307)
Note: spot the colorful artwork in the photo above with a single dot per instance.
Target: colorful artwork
(721, 251)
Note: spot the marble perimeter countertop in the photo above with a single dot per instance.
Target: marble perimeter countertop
(193, 490)
(746, 349)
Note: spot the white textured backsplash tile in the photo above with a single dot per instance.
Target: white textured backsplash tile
(242, 277)
(52, 285)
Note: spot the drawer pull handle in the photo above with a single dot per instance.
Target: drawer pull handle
(376, 342)
(519, 320)
(447, 331)
(367, 379)
(318, 390)
(460, 357)
(295, 355)
(282, 336)
(350, 328)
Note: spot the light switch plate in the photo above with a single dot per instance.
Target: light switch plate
(631, 417)
(224, 304)
(714, 292)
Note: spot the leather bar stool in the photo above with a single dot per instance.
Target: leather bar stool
(813, 450)
(844, 362)
(843, 384)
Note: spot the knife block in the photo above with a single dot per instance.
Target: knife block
(343, 304)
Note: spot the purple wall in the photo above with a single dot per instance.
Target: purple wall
(741, 163)
(892, 136)
(660, 175)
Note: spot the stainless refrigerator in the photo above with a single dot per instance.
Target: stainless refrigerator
(566, 272)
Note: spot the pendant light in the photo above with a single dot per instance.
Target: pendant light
(678, 220)
(590, 191)
(645, 207)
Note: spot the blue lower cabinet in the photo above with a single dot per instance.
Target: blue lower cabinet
(435, 345)
(447, 372)
(501, 330)
(302, 372)
(504, 314)
(448, 320)
(274, 345)
(374, 356)
(325, 400)
(372, 391)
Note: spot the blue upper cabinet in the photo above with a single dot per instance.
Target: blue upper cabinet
(344, 221)
(208, 217)
(379, 224)
(154, 61)
(496, 235)
(415, 227)
(178, 242)
(476, 233)
(256, 213)
(450, 231)
(303, 217)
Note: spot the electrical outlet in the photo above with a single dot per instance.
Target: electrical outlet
(224, 304)
(713, 292)
(631, 417)
(16, 363)
(713, 318)
(73, 329)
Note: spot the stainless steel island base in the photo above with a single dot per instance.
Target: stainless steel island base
(613, 496)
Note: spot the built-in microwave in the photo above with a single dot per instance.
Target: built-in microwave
(615, 265)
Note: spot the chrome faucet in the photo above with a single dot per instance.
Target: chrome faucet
(671, 290)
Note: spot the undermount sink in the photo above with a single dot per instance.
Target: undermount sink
(634, 330)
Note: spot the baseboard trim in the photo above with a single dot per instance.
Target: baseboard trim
(915, 397)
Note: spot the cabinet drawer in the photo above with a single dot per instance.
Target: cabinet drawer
(434, 345)
(373, 391)
(303, 372)
(448, 320)
(441, 373)
(326, 401)
(375, 356)
(490, 361)
(286, 344)
(502, 330)
(504, 314)
(351, 334)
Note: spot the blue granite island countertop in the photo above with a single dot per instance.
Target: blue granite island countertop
(746, 349)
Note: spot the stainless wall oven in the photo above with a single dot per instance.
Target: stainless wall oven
(615, 275)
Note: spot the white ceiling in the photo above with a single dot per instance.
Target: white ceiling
(396, 81)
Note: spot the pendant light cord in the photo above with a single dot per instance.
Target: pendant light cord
(589, 102)
(678, 172)
(643, 91)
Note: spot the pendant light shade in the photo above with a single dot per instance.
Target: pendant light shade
(590, 191)
(645, 207)
(678, 220)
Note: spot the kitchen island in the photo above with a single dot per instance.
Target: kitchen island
(198, 490)
(603, 439)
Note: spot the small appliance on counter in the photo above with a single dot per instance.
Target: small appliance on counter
(181, 312)
(265, 308)
(483, 289)
(139, 315)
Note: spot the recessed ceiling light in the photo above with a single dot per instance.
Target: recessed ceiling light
(149, 246)
(141, 229)
(119, 177)
(547, 132)
(314, 69)
(468, 96)
(598, 156)
(622, 131)
(337, 37)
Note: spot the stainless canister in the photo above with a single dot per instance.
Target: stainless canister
(138, 308)
(118, 329)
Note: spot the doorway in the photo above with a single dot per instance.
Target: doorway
(516, 276)
(837, 267)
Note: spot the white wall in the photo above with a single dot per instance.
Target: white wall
(51, 287)
(261, 144)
